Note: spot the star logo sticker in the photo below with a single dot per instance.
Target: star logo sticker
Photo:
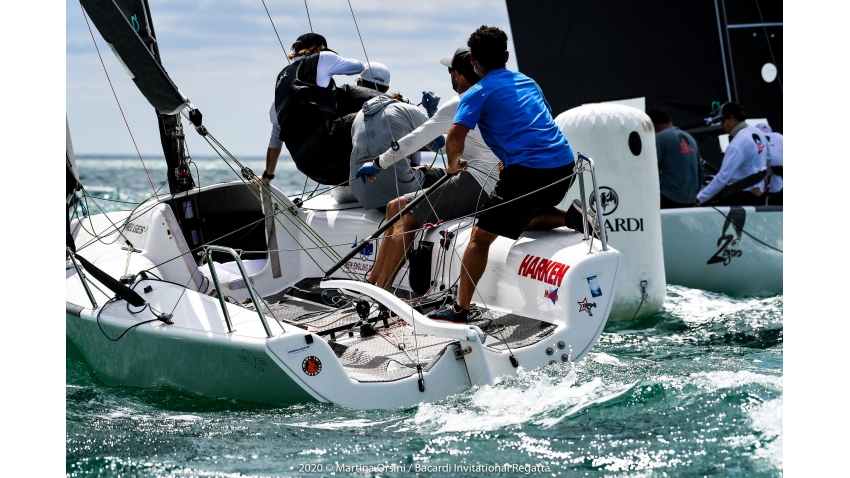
(585, 306)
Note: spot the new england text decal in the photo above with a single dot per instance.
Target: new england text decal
(544, 270)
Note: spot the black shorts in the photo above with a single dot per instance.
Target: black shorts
(510, 219)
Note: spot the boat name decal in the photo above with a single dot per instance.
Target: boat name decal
(551, 295)
(297, 350)
(544, 270)
(729, 245)
(135, 228)
(585, 306)
(358, 266)
(257, 362)
(593, 283)
(311, 365)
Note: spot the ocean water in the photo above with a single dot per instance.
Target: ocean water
(694, 390)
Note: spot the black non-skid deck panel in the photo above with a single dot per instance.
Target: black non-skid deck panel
(398, 345)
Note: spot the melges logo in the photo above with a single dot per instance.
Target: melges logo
(544, 270)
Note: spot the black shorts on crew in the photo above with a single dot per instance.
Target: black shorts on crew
(510, 219)
(459, 196)
(430, 176)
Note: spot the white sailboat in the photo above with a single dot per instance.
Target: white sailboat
(285, 316)
(722, 52)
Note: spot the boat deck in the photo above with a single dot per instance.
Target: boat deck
(382, 349)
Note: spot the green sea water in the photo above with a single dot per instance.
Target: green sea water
(694, 390)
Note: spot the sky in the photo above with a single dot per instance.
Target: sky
(224, 56)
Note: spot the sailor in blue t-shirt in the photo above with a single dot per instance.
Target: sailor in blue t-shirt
(516, 123)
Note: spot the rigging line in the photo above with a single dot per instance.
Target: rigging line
(118, 102)
(96, 237)
(380, 95)
(208, 243)
(275, 32)
(729, 45)
(308, 16)
(747, 233)
(309, 232)
(770, 48)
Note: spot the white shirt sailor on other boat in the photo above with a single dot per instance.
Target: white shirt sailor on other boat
(483, 164)
(329, 64)
(746, 154)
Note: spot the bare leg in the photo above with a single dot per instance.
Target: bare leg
(547, 220)
(473, 264)
(394, 245)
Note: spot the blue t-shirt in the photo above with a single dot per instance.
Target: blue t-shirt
(515, 121)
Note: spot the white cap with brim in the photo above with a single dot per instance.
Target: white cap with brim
(377, 73)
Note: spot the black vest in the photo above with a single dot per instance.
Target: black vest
(296, 93)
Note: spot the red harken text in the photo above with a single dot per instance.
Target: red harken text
(544, 270)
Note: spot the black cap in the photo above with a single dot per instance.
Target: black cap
(731, 109)
(460, 61)
(313, 39)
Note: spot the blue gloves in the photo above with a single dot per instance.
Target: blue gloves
(439, 143)
(430, 101)
(368, 169)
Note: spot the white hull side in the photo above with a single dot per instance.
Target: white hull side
(197, 353)
(741, 265)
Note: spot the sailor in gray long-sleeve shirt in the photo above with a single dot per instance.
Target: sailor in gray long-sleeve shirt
(680, 173)
(380, 121)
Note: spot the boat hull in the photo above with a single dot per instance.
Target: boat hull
(734, 250)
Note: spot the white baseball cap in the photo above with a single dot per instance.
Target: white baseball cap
(377, 73)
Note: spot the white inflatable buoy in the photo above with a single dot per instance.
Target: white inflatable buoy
(621, 141)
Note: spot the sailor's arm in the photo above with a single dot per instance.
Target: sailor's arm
(416, 139)
(731, 162)
(273, 151)
(332, 64)
(454, 148)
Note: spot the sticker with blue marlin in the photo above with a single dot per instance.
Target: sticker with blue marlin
(595, 290)
(366, 251)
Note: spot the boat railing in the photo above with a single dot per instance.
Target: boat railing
(82, 277)
(603, 234)
(220, 294)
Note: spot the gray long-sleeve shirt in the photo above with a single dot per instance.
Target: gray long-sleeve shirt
(370, 137)
(680, 173)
